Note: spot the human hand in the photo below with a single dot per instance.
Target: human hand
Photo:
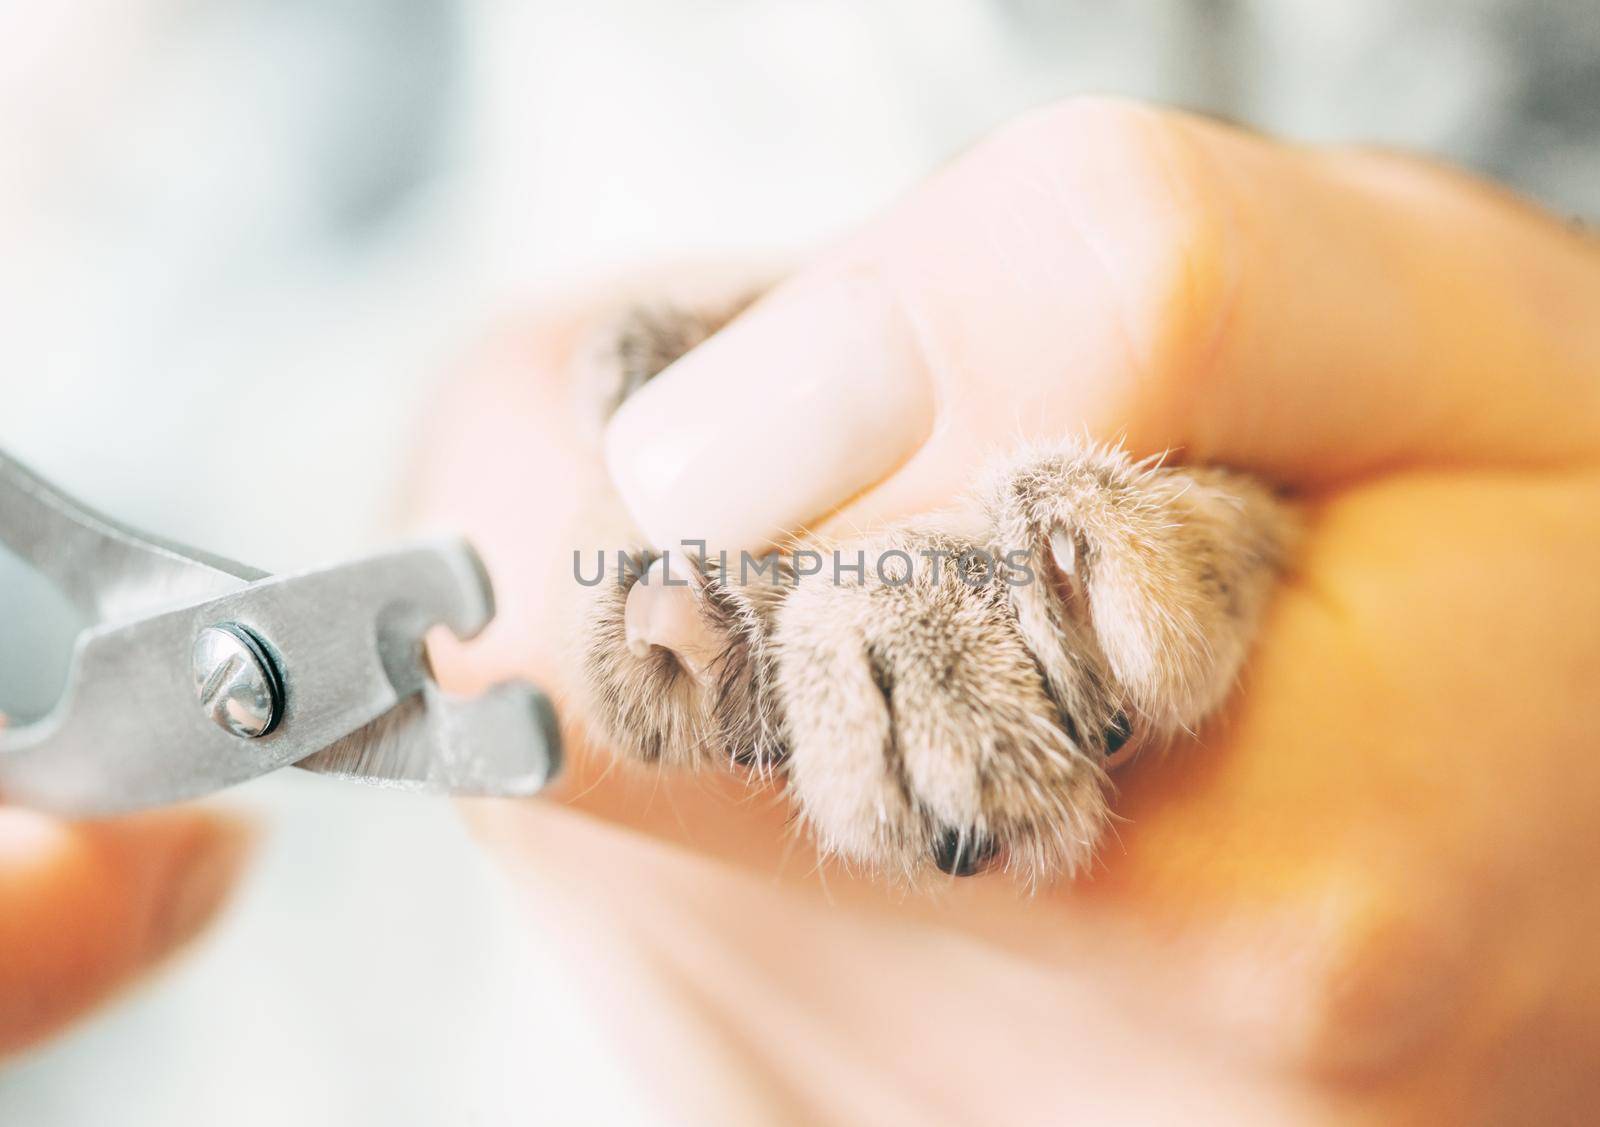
(1369, 888)
(87, 908)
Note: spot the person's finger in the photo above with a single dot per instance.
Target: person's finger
(1313, 315)
(85, 908)
(514, 417)
(1252, 893)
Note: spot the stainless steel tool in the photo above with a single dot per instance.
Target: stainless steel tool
(198, 673)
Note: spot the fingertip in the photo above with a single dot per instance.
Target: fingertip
(178, 867)
(816, 394)
(86, 908)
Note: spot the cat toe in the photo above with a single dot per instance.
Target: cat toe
(675, 665)
(920, 730)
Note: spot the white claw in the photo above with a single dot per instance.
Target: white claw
(1065, 551)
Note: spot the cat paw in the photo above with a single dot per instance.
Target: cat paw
(919, 728)
(678, 663)
(949, 695)
(1151, 580)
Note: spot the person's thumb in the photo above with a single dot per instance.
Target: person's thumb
(1111, 268)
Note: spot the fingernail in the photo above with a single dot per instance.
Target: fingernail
(814, 395)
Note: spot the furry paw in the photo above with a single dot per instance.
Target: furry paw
(950, 693)
(678, 661)
(917, 724)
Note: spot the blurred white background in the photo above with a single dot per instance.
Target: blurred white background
(241, 240)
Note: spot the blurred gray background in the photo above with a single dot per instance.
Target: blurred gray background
(240, 240)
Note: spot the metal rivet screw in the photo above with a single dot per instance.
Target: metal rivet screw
(236, 681)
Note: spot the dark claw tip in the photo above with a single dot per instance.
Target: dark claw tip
(961, 855)
(1117, 733)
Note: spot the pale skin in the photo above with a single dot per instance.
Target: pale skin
(1370, 890)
